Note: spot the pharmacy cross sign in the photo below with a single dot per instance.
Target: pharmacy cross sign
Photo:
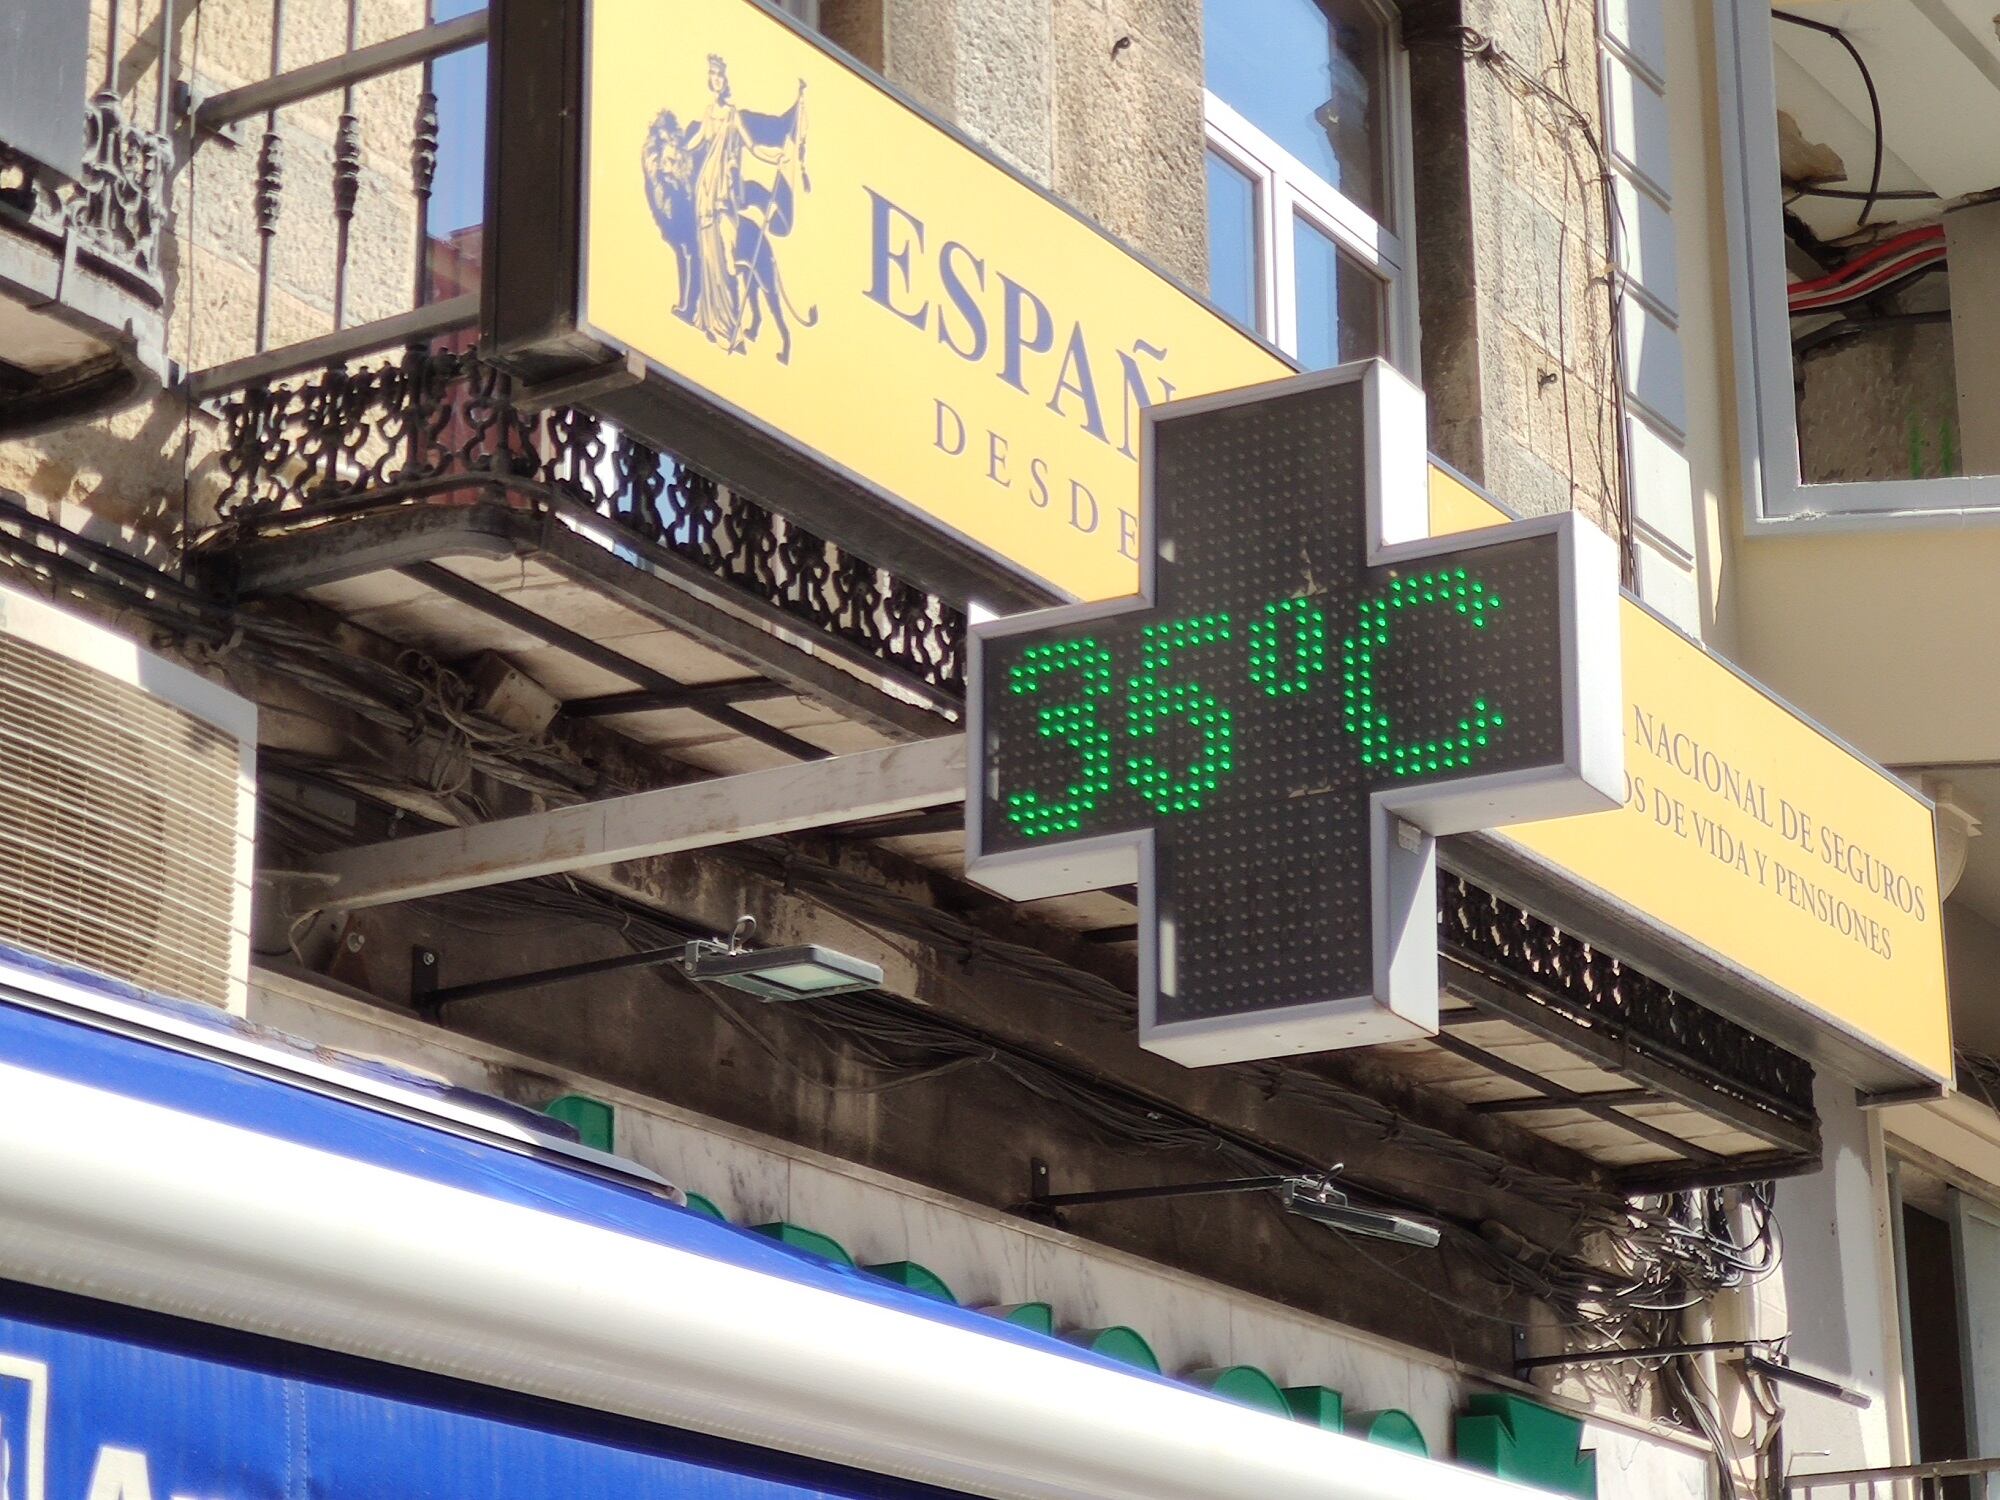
(1305, 694)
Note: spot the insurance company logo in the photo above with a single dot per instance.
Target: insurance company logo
(724, 188)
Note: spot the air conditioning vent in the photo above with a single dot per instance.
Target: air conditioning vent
(126, 807)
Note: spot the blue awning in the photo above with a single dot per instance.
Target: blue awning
(174, 1070)
(241, 1211)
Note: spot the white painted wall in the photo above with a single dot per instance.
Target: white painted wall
(1835, 1294)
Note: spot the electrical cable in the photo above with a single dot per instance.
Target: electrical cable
(1870, 273)
(1855, 327)
(1658, 1258)
(1661, 1256)
(415, 699)
(1887, 195)
(1573, 121)
(1874, 193)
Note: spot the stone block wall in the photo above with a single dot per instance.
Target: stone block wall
(1098, 100)
(1101, 100)
(137, 475)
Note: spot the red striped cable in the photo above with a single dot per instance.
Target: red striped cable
(1904, 254)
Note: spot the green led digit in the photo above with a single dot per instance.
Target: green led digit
(1288, 647)
(1073, 722)
(1153, 704)
(1361, 714)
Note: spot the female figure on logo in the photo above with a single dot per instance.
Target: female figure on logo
(717, 141)
(718, 205)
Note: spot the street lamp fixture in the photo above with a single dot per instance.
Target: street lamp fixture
(805, 971)
(1314, 1198)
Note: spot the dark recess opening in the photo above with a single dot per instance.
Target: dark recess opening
(1937, 1366)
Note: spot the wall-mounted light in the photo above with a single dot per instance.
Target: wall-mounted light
(1314, 1198)
(804, 971)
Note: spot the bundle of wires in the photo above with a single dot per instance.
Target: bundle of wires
(1874, 271)
(1624, 1270)
(1651, 1259)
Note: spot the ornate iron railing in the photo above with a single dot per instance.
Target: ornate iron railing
(1590, 988)
(114, 214)
(436, 425)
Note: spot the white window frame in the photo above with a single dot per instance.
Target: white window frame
(1776, 497)
(1285, 188)
(805, 12)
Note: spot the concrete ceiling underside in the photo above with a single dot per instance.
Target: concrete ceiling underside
(677, 690)
(1936, 69)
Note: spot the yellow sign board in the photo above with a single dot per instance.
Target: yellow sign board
(1749, 832)
(768, 225)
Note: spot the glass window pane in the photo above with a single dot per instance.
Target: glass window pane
(1310, 74)
(1340, 302)
(1232, 240)
(454, 224)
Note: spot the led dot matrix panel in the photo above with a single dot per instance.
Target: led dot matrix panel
(1247, 711)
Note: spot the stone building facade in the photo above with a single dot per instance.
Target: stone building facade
(1564, 318)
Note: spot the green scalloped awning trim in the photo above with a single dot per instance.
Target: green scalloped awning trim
(1244, 1384)
(1036, 1316)
(590, 1118)
(1320, 1405)
(809, 1240)
(1389, 1429)
(920, 1279)
(1118, 1342)
(1515, 1438)
(706, 1208)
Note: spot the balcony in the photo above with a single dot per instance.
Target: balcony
(417, 497)
(423, 502)
(616, 619)
(83, 203)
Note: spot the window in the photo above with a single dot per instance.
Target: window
(455, 216)
(1948, 1284)
(1865, 369)
(1307, 178)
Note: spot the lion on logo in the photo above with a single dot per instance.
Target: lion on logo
(721, 224)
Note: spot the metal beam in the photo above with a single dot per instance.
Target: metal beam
(1567, 1099)
(218, 110)
(416, 326)
(507, 612)
(727, 694)
(1513, 1000)
(1550, 1103)
(289, 551)
(693, 597)
(937, 820)
(699, 815)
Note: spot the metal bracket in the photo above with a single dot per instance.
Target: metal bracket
(1921, 1093)
(1760, 1355)
(1035, 1205)
(430, 998)
(424, 982)
(580, 387)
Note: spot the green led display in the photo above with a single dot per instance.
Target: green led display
(1361, 713)
(1286, 657)
(1283, 672)
(1152, 703)
(1075, 721)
